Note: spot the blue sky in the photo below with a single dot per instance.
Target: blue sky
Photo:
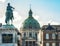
(45, 11)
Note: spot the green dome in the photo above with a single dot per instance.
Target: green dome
(31, 23)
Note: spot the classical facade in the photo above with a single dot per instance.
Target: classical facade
(50, 35)
(30, 31)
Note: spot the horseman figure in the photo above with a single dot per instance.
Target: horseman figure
(9, 14)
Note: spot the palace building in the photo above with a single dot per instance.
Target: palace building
(30, 31)
(50, 35)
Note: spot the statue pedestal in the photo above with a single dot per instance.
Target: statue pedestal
(8, 35)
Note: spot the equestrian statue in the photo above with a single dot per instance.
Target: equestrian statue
(9, 14)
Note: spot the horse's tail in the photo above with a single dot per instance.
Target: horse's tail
(5, 20)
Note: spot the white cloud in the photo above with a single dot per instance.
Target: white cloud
(17, 19)
(36, 17)
(53, 22)
(2, 1)
(16, 16)
(2, 19)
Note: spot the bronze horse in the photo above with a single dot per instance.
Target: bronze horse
(9, 14)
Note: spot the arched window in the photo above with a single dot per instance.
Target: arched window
(47, 36)
(53, 36)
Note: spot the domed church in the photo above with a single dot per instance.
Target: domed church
(30, 31)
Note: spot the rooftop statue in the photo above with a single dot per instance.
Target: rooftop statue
(9, 14)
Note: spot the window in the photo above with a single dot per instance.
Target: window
(34, 43)
(7, 38)
(47, 44)
(26, 43)
(59, 44)
(59, 36)
(30, 26)
(30, 43)
(30, 34)
(47, 36)
(53, 44)
(53, 36)
(24, 34)
(36, 36)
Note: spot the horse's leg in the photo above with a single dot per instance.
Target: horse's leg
(11, 21)
(8, 22)
(11, 18)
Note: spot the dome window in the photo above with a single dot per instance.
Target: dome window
(30, 26)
